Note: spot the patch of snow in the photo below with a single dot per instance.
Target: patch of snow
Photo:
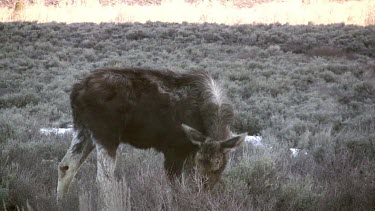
(296, 152)
(55, 131)
(255, 140)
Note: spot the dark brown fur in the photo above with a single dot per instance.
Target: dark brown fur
(145, 108)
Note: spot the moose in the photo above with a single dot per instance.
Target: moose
(185, 116)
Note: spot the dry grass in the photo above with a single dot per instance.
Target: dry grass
(293, 12)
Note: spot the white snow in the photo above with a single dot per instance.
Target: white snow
(55, 131)
(255, 140)
(295, 152)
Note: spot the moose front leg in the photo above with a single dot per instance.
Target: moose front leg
(174, 166)
(106, 165)
(111, 191)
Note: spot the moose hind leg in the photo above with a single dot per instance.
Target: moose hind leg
(110, 190)
(77, 153)
(106, 164)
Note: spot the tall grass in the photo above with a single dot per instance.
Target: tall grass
(178, 11)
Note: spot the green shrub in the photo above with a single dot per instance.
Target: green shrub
(18, 100)
(260, 176)
(298, 195)
(4, 197)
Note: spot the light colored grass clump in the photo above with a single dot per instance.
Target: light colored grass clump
(293, 12)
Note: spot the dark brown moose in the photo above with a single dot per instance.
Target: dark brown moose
(185, 116)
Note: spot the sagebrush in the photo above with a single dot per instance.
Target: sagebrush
(307, 87)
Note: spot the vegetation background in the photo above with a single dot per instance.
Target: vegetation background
(310, 87)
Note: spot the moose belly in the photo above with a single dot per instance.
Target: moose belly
(159, 126)
(153, 131)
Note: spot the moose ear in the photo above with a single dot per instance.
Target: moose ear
(194, 136)
(232, 143)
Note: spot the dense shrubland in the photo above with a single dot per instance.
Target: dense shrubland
(308, 87)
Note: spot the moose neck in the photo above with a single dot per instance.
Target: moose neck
(217, 112)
